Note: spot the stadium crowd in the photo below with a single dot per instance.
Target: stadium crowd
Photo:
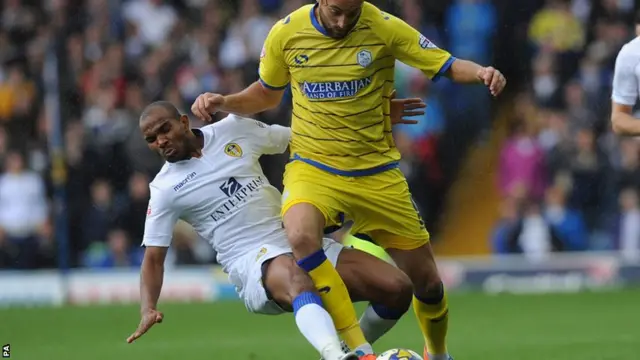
(567, 182)
(117, 56)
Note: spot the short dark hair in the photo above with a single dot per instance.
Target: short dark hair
(164, 105)
(637, 17)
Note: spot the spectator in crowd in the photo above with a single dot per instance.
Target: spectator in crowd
(103, 213)
(588, 168)
(153, 20)
(568, 224)
(522, 167)
(524, 230)
(116, 252)
(134, 214)
(471, 25)
(556, 27)
(628, 167)
(626, 232)
(23, 213)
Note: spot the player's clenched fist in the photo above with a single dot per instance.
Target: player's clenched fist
(207, 104)
(493, 79)
(149, 318)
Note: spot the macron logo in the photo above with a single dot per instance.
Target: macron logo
(184, 182)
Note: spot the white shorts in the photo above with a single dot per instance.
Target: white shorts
(254, 294)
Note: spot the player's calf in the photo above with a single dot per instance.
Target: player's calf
(293, 290)
(395, 291)
(383, 314)
(430, 300)
(387, 288)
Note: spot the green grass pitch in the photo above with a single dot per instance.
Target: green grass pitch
(586, 326)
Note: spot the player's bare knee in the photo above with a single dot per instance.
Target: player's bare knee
(303, 243)
(304, 224)
(400, 290)
(430, 292)
(426, 281)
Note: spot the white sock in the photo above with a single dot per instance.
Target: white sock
(373, 326)
(315, 324)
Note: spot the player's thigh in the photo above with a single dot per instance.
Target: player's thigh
(371, 279)
(284, 280)
(419, 264)
(387, 213)
(252, 271)
(311, 202)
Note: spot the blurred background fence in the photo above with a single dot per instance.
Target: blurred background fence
(529, 192)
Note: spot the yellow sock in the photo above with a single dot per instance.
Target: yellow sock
(366, 246)
(434, 321)
(335, 298)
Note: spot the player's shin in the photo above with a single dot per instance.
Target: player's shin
(315, 324)
(377, 320)
(432, 311)
(335, 298)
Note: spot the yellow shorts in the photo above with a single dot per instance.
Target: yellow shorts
(380, 205)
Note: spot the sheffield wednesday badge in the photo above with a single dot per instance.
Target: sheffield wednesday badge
(365, 58)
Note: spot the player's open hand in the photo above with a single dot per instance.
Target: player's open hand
(149, 318)
(401, 108)
(207, 104)
(493, 79)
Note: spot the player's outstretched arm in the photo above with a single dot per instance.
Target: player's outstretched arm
(468, 72)
(414, 49)
(254, 99)
(151, 277)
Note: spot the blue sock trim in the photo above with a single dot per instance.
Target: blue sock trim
(305, 298)
(312, 261)
(387, 313)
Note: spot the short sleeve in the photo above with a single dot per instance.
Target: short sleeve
(412, 48)
(625, 80)
(267, 139)
(160, 221)
(274, 139)
(274, 72)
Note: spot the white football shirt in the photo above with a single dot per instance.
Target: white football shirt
(627, 74)
(223, 194)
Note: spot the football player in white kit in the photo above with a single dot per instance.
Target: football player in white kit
(212, 180)
(626, 89)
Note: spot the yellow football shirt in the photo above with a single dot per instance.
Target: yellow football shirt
(341, 88)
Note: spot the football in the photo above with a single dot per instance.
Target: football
(399, 354)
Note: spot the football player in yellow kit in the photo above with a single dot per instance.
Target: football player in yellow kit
(338, 56)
